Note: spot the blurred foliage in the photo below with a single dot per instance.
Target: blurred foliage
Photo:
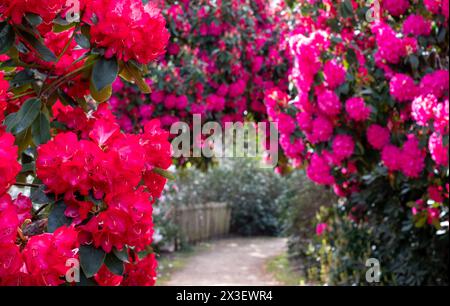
(251, 190)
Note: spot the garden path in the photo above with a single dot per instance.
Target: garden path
(232, 261)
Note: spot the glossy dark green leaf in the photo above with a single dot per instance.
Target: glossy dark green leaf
(57, 218)
(164, 173)
(33, 19)
(104, 73)
(82, 41)
(7, 37)
(91, 259)
(22, 78)
(122, 255)
(40, 130)
(114, 264)
(25, 116)
(45, 53)
(38, 195)
(30, 167)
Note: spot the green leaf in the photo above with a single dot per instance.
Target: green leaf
(351, 57)
(30, 167)
(104, 73)
(86, 282)
(40, 130)
(23, 77)
(82, 41)
(414, 61)
(33, 19)
(7, 37)
(57, 218)
(45, 53)
(9, 120)
(101, 96)
(122, 255)
(25, 116)
(114, 264)
(164, 173)
(91, 259)
(38, 196)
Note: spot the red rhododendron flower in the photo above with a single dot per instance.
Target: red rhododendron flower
(46, 256)
(105, 277)
(128, 29)
(16, 9)
(9, 222)
(9, 167)
(142, 273)
(11, 264)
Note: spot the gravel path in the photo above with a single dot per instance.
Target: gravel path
(234, 261)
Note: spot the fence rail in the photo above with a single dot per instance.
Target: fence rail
(202, 222)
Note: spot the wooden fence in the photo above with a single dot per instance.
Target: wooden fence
(202, 222)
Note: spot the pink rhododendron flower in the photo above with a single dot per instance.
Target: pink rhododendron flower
(305, 121)
(322, 130)
(433, 215)
(441, 117)
(319, 171)
(357, 109)
(292, 149)
(402, 88)
(343, 146)
(286, 124)
(433, 6)
(334, 74)
(390, 47)
(416, 25)
(412, 157)
(329, 102)
(237, 89)
(435, 194)
(378, 136)
(391, 157)
(435, 83)
(321, 228)
(396, 7)
(439, 152)
(422, 109)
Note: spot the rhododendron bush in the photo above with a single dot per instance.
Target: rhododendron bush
(221, 58)
(368, 116)
(84, 189)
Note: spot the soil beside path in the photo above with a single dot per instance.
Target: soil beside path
(233, 261)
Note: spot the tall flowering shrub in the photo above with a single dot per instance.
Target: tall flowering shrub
(221, 58)
(84, 189)
(368, 116)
